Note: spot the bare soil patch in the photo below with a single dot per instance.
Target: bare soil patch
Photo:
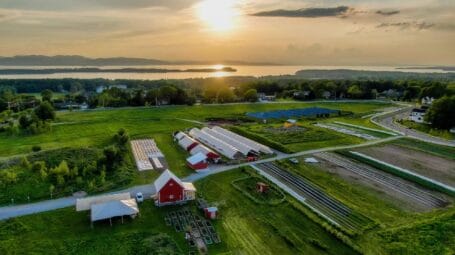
(437, 168)
(383, 192)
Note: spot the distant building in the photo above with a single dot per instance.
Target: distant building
(102, 88)
(417, 115)
(263, 97)
(197, 161)
(290, 123)
(326, 94)
(427, 100)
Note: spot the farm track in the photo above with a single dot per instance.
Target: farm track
(317, 199)
(386, 180)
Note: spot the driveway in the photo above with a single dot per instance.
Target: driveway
(387, 121)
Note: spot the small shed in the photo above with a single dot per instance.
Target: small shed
(197, 161)
(211, 212)
(290, 123)
(262, 187)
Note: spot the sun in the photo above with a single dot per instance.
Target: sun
(218, 15)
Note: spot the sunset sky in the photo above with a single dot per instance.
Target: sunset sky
(305, 32)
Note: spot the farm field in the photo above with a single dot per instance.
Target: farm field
(433, 149)
(244, 227)
(425, 128)
(437, 168)
(66, 231)
(305, 136)
(404, 194)
(398, 221)
(252, 228)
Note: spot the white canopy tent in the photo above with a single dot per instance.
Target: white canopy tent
(114, 208)
(84, 204)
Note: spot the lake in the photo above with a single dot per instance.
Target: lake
(256, 71)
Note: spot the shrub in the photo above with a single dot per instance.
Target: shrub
(38, 166)
(25, 163)
(36, 148)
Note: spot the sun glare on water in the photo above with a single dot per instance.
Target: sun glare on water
(218, 15)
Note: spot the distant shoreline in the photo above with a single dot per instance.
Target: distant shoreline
(112, 70)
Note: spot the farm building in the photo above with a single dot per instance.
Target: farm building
(171, 190)
(253, 144)
(211, 155)
(417, 115)
(218, 145)
(147, 155)
(185, 141)
(108, 206)
(290, 123)
(197, 161)
(243, 148)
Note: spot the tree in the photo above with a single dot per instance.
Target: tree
(138, 98)
(250, 95)
(355, 92)
(441, 113)
(46, 95)
(45, 111)
(225, 95)
(24, 121)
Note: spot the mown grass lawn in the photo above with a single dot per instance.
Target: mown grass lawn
(66, 231)
(435, 149)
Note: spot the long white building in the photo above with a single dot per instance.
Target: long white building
(253, 144)
(218, 145)
(243, 148)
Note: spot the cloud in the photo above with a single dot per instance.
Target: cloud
(387, 13)
(339, 11)
(407, 25)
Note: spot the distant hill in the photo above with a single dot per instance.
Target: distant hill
(75, 60)
(38, 60)
(359, 74)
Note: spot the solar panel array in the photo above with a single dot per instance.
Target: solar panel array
(282, 114)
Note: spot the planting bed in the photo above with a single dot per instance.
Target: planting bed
(437, 168)
(184, 220)
(324, 205)
(418, 197)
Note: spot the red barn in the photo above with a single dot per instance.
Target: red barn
(171, 190)
(197, 161)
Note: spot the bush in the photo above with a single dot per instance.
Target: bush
(36, 148)
(38, 166)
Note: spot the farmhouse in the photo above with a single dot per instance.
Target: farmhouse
(417, 115)
(171, 190)
(198, 161)
(225, 149)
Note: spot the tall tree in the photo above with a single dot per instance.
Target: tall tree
(441, 113)
(46, 95)
(45, 111)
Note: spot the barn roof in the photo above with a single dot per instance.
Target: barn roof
(164, 178)
(113, 209)
(220, 146)
(196, 158)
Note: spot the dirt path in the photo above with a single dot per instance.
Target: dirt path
(438, 168)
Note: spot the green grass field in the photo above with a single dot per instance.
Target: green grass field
(425, 128)
(245, 227)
